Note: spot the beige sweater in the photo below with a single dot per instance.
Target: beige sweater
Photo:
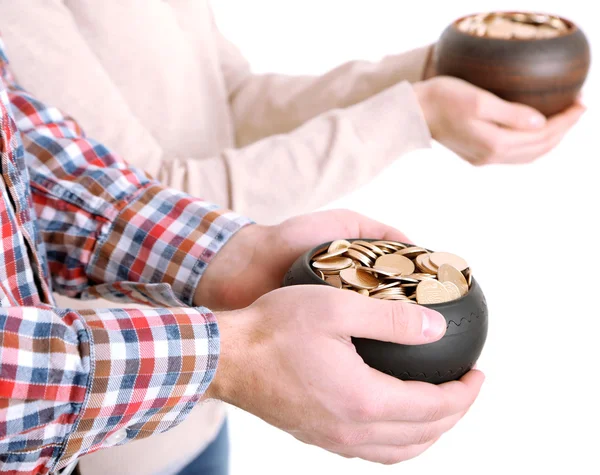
(157, 82)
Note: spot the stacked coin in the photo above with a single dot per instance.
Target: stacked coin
(513, 25)
(391, 270)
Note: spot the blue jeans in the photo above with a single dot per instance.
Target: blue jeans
(214, 460)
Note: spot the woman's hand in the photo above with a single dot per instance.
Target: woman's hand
(484, 129)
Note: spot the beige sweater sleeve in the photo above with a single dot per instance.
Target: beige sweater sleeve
(334, 151)
(268, 104)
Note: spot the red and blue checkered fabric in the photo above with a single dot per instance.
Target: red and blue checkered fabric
(76, 218)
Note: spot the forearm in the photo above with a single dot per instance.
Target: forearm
(329, 156)
(105, 222)
(271, 104)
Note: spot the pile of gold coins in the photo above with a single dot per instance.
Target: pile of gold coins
(508, 26)
(391, 270)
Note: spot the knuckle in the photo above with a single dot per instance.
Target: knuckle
(479, 104)
(427, 434)
(494, 148)
(344, 437)
(364, 410)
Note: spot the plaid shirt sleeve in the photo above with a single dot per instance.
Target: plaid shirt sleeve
(72, 382)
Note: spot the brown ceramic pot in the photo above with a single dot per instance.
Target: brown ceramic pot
(546, 74)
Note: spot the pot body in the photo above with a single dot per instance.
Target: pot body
(546, 74)
(447, 359)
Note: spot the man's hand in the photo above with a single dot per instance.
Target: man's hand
(484, 129)
(289, 359)
(256, 259)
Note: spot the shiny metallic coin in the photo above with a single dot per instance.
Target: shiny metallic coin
(558, 24)
(390, 291)
(359, 256)
(328, 255)
(378, 251)
(364, 292)
(431, 292)
(333, 263)
(359, 279)
(424, 264)
(520, 17)
(395, 263)
(389, 245)
(447, 273)
(338, 245)
(411, 252)
(453, 290)
(334, 280)
(467, 274)
(364, 250)
(385, 272)
(386, 286)
(439, 258)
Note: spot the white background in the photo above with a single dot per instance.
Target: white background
(530, 233)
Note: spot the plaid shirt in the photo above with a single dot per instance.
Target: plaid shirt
(75, 217)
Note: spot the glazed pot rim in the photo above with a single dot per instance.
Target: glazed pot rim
(573, 28)
(317, 249)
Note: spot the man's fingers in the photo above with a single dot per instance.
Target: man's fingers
(403, 433)
(422, 402)
(385, 454)
(509, 114)
(392, 321)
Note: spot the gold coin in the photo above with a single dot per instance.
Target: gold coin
(333, 263)
(520, 17)
(546, 32)
(359, 278)
(395, 262)
(362, 249)
(411, 252)
(524, 31)
(453, 290)
(389, 245)
(424, 263)
(359, 256)
(370, 246)
(392, 297)
(538, 18)
(331, 272)
(386, 286)
(558, 24)
(447, 273)
(390, 291)
(385, 271)
(364, 292)
(328, 255)
(338, 245)
(439, 258)
(334, 280)
(467, 274)
(431, 292)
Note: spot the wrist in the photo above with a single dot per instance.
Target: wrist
(216, 289)
(234, 366)
(424, 90)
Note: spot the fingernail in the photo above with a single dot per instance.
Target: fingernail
(433, 324)
(537, 120)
